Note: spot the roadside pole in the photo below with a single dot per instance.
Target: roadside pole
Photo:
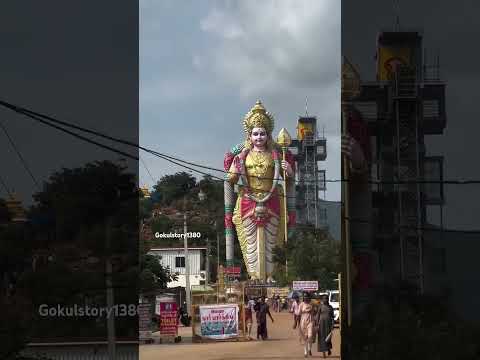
(109, 287)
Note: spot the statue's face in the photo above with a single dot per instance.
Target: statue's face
(259, 137)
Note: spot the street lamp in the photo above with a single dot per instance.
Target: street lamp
(202, 196)
(187, 262)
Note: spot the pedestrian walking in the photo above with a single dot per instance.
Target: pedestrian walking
(305, 330)
(295, 310)
(261, 311)
(324, 322)
(249, 309)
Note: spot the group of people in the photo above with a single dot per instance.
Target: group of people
(312, 322)
(279, 304)
(261, 309)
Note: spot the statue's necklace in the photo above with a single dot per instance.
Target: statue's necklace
(260, 162)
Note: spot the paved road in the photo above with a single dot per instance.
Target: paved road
(283, 344)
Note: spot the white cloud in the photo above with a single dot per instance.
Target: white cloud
(269, 46)
(223, 24)
(206, 65)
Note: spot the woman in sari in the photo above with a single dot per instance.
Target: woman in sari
(324, 321)
(305, 330)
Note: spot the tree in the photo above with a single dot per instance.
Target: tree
(312, 255)
(172, 187)
(146, 207)
(171, 191)
(214, 191)
(16, 314)
(70, 221)
(153, 275)
(85, 197)
(4, 213)
(161, 224)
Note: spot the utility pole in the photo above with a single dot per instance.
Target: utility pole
(109, 286)
(218, 246)
(207, 264)
(187, 263)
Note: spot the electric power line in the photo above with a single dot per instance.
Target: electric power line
(5, 186)
(399, 227)
(146, 168)
(35, 115)
(25, 165)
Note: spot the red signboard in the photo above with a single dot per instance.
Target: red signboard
(168, 319)
(232, 270)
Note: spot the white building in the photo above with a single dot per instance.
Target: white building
(174, 258)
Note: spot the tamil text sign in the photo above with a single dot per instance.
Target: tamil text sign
(144, 319)
(232, 270)
(144, 316)
(219, 321)
(274, 291)
(305, 285)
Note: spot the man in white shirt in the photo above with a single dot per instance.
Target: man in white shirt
(295, 310)
(249, 315)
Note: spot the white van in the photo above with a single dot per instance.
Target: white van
(333, 299)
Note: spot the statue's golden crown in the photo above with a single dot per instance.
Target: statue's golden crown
(258, 117)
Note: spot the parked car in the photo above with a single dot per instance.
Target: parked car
(334, 301)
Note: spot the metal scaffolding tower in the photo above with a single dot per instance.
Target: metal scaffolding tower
(409, 220)
(309, 149)
(404, 104)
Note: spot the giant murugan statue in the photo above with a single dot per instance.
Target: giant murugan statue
(262, 213)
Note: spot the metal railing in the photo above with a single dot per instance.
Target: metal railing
(431, 73)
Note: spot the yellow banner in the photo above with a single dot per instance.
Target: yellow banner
(304, 129)
(282, 292)
(389, 58)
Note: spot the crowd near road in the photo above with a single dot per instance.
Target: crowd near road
(304, 329)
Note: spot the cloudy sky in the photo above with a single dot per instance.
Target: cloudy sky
(87, 75)
(204, 64)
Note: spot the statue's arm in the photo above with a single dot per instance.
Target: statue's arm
(291, 161)
(231, 163)
(288, 164)
(233, 173)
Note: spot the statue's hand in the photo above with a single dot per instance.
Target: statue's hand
(353, 151)
(244, 153)
(287, 167)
